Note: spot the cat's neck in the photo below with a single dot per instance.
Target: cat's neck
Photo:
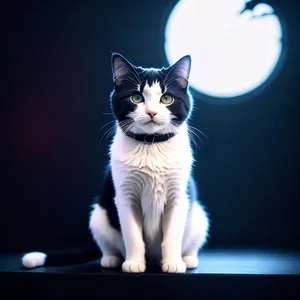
(156, 156)
(176, 138)
(150, 138)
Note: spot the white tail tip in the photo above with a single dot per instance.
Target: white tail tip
(34, 259)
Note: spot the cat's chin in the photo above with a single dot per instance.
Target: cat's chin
(151, 128)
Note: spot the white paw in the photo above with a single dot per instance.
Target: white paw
(130, 266)
(190, 261)
(174, 267)
(110, 261)
(34, 259)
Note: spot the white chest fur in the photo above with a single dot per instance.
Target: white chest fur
(150, 175)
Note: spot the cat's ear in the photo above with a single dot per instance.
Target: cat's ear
(121, 69)
(180, 71)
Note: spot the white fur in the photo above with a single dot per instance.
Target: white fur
(151, 183)
(34, 259)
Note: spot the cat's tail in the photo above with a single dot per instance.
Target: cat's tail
(60, 258)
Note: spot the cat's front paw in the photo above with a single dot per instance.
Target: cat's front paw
(130, 266)
(110, 261)
(174, 267)
(190, 261)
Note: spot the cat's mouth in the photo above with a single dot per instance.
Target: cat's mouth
(151, 122)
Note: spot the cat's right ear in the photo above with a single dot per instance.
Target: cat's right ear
(121, 69)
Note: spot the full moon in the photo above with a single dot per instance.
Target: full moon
(234, 50)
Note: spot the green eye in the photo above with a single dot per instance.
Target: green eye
(167, 99)
(136, 98)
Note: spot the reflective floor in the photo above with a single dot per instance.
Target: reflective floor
(210, 262)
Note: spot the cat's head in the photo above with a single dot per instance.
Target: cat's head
(150, 101)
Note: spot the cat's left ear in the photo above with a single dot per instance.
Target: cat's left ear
(180, 71)
(121, 68)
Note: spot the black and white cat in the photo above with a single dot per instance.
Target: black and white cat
(148, 212)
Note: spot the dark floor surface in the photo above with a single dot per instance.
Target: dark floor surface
(210, 262)
(222, 274)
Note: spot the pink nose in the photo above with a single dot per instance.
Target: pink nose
(151, 113)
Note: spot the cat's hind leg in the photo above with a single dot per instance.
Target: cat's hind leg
(108, 239)
(195, 235)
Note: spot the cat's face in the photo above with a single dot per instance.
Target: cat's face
(150, 100)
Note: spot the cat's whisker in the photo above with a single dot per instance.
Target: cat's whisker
(110, 130)
(106, 124)
(191, 135)
(124, 125)
(121, 125)
(129, 126)
(195, 135)
(125, 128)
(194, 142)
(198, 130)
(125, 121)
(107, 132)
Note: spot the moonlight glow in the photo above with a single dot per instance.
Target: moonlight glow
(233, 52)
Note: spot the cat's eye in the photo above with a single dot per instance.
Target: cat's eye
(167, 99)
(136, 98)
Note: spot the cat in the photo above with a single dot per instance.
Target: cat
(149, 211)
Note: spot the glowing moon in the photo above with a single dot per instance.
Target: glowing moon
(233, 52)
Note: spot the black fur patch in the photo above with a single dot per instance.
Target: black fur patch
(106, 200)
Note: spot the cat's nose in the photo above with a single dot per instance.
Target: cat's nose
(151, 113)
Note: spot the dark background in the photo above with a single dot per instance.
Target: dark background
(55, 85)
